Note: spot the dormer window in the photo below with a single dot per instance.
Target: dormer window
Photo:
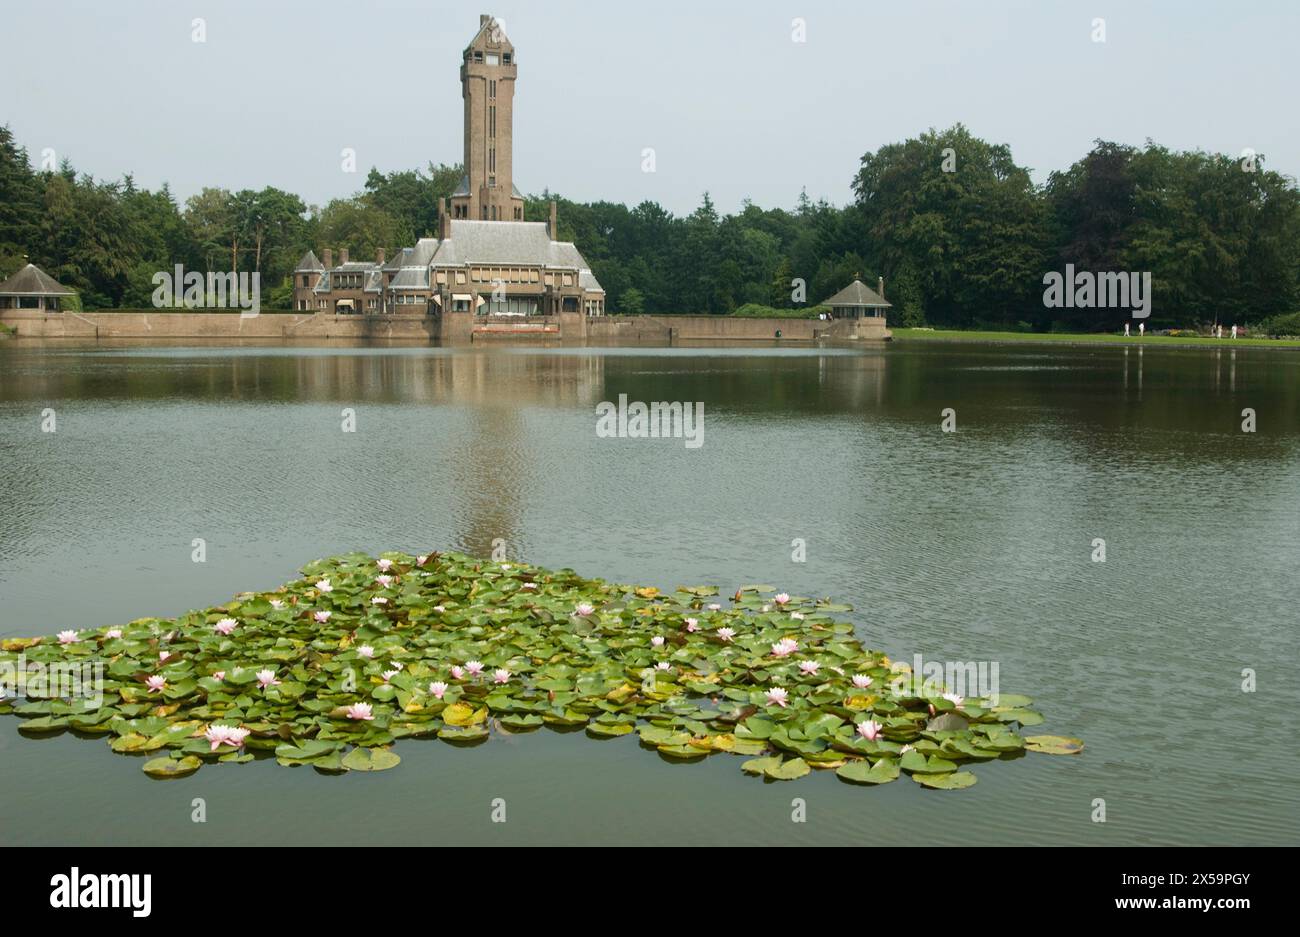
(493, 58)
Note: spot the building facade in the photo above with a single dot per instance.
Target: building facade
(485, 258)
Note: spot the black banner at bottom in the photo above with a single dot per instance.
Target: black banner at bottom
(331, 885)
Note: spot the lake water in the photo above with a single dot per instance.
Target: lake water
(975, 545)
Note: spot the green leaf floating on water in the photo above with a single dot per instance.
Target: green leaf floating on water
(1053, 745)
(464, 649)
(862, 772)
(370, 759)
(165, 768)
(946, 782)
(788, 770)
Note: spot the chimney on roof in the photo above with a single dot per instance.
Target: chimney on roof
(880, 287)
(379, 256)
(554, 227)
(444, 227)
(329, 259)
(343, 255)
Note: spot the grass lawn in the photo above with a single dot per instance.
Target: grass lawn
(1084, 338)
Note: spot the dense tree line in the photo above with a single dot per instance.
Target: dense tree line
(960, 232)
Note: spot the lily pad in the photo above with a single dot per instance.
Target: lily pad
(788, 770)
(169, 768)
(370, 759)
(861, 772)
(946, 782)
(1053, 745)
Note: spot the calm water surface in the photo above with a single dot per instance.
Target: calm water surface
(974, 545)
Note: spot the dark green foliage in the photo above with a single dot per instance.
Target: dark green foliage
(958, 230)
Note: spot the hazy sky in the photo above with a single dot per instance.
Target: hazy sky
(721, 92)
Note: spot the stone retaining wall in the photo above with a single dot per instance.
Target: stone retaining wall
(448, 328)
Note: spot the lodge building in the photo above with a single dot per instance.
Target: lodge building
(484, 258)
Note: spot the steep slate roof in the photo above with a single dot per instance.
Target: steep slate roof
(495, 242)
(587, 280)
(410, 278)
(856, 294)
(422, 253)
(399, 259)
(565, 254)
(33, 281)
(308, 263)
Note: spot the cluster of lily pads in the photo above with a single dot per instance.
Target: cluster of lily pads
(333, 668)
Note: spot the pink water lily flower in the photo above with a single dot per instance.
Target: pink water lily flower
(809, 667)
(396, 664)
(324, 585)
(156, 683)
(163, 655)
(384, 565)
(777, 696)
(474, 667)
(389, 674)
(322, 616)
(501, 675)
(421, 560)
(366, 651)
(218, 675)
(67, 637)
(379, 600)
(218, 735)
(226, 625)
(266, 678)
(870, 730)
(861, 681)
(780, 598)
(785, 647)
(657, 641)
(726, 634)
(664, 665)
(277, 604)
(692, 625)
(457, 671)
(954, 699)
(384, 581)
(905, 749)
(584, 608)
(113, 633)
(437, 688)
(360, 711)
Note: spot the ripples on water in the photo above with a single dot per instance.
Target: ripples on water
(966, 546)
